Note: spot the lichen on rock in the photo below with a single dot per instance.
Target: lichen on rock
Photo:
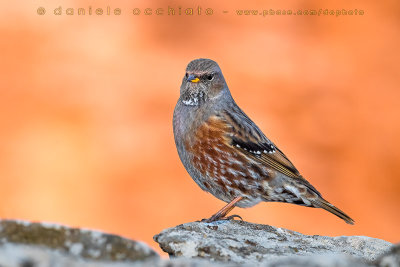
(84, 244)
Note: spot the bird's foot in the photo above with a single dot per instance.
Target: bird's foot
(232, 217)
(215, 218)
(221, 214)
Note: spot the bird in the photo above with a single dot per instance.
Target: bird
(228, 155)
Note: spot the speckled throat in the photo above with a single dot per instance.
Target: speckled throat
(192, 99)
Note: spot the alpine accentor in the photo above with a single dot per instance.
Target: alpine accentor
(225, 152)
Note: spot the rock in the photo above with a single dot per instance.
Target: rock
(243, 242)
(16, 255)
(37, 244)
(185, 262)
(299, 261)
(326, 260)
(390, 259)
(219, 244)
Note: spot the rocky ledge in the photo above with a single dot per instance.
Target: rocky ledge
(224, 243)
(254, 244)
(26, 244)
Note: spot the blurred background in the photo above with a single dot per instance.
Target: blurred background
(86, 105)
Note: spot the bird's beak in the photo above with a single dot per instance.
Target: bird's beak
(193, 79)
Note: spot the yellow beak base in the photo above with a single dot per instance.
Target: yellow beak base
(195, 80)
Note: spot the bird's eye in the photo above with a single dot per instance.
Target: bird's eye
(187, 75)
(210, 77)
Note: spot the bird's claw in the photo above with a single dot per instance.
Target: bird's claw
(232, 217)
(217, 218)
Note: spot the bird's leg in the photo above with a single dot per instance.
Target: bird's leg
(220, 215)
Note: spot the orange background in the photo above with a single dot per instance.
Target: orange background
(86, 107)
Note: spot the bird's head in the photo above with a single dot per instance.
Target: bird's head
(202, 82)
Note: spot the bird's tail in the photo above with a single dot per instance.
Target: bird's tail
(322, 203)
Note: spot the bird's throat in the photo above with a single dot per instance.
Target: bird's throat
(192, 99)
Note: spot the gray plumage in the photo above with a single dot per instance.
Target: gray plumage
(225, 152)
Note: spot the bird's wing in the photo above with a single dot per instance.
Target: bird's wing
(250, 140)
(247, 138)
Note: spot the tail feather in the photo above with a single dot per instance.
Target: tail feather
(322, 203)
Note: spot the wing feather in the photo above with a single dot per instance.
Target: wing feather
(250, 140)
